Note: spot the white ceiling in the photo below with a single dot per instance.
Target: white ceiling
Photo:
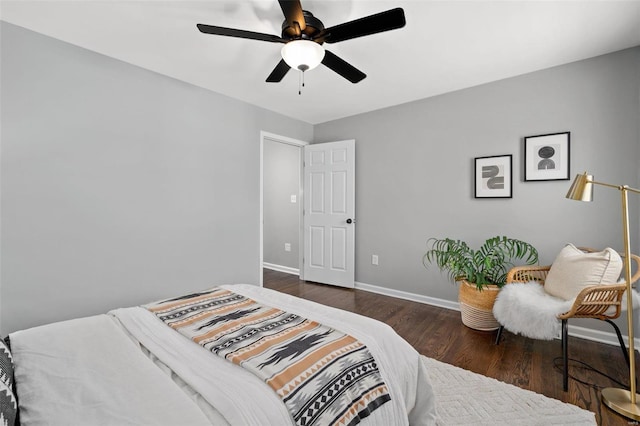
(445, 46)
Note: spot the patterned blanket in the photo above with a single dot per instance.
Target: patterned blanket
(323, 376)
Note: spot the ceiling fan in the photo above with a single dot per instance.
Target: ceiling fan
(303, 35)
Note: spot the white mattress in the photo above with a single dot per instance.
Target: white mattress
(63, 370)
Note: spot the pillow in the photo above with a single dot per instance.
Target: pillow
(8, 403)
(574, 270)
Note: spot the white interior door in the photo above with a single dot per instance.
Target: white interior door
(329, 213)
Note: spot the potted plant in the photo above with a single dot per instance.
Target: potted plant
(481, 272)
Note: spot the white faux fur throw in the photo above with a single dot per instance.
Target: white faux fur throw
(525, 308)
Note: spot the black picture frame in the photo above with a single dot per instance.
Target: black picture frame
(493, 176)
(547, 157)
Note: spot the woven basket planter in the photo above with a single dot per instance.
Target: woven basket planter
(476, 306)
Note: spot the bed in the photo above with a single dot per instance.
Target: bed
(141, 366)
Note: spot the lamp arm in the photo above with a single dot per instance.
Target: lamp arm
(620, 187)
(604, 184)
(628, 188)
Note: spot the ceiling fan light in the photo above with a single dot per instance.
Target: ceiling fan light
(302, 55)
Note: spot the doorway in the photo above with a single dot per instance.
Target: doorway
(281, 204)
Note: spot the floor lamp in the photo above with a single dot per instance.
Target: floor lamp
(619, 400)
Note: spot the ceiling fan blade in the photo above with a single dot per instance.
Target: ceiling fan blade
(231, 32)
(278, 72)
(372, 24)
(292, 10)
(342, 67)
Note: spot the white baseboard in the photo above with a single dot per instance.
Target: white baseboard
(408, 296)
(575, 331)
(280, 268)
(601, 336)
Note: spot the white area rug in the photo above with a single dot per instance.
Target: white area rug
(466, 398)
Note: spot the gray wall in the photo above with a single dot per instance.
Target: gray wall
(281, 180)
(414, 169)
(119, 185)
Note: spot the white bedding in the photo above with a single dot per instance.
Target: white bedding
(88, 372)
(205, 388)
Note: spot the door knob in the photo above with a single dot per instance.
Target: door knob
(350, 220)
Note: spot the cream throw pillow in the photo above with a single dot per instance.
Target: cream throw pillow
(574, 270)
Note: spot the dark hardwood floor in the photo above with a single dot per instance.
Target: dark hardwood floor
(439, 333)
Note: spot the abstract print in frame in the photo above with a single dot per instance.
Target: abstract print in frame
(546, 157)
(493, 176)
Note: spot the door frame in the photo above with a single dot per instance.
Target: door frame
(300, 144)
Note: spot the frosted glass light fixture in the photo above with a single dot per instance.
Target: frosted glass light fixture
(302, 55)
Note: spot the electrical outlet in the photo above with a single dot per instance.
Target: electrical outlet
(374, 259)
(294, 198)
(287, 247)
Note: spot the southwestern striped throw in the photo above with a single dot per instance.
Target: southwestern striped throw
(323, 376)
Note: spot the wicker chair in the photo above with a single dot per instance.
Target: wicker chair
(603, 302)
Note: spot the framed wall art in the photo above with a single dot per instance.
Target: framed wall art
(546, 157)
(493, 176)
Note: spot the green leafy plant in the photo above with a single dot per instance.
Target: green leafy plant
(487, 265)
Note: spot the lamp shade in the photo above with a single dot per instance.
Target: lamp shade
(302, 54)
(581, 188)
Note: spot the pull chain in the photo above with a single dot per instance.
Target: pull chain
(300, 82)
(302, 68)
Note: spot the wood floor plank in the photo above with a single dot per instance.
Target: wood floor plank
(439, 333)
